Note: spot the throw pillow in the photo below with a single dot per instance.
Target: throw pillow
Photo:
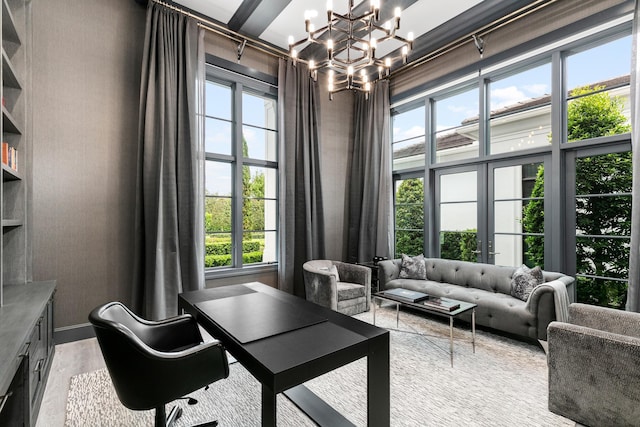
(524, 280)
(413, 267)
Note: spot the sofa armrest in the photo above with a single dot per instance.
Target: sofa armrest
(605, 319)
(548, 301)
(388, 270)
(321, 287)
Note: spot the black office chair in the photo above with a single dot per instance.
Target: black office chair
(152, 363)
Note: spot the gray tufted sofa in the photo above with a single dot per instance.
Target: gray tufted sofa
(488, 286)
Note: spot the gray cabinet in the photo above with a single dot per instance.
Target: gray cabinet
(26, 333)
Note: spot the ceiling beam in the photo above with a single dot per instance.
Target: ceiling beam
(254, 16)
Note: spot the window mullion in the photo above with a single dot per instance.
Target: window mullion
(238, 199)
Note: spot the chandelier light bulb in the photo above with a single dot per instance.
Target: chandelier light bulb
(367, 86)
(291, 41)
(329, 5)
(294, 54)
(375, 4)
(312, 64)
(387, 62)
(387, 26)
(410, 36)
(350, 70)
(397, 12)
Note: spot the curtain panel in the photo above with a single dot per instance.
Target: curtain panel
(301, 208)
(370, 224)
(169, 217)
(633, 292)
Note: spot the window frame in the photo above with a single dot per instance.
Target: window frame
(239, 84)
(559, 232)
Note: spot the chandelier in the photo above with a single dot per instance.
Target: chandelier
(349, 45)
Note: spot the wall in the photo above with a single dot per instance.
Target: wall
(86, 82)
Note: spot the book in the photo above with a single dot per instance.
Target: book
(439, 303)
(5, 153)
(406, 295)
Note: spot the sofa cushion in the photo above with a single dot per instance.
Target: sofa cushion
(524, 280)
(348, 291)
(413, 267)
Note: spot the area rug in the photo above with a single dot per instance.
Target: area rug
(503, 384)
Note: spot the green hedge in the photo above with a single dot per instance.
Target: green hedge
(224, 248)
(225, 260)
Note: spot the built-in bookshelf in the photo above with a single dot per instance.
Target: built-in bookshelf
(13, 191)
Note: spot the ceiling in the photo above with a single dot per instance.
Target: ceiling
(435, 23)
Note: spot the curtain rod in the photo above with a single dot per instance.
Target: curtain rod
(460, 41)
(280, 53)
(226, 32)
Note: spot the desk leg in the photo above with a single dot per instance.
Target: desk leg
(378, 378)
(268, 407)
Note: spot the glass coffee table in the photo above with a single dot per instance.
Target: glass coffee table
(426, 306)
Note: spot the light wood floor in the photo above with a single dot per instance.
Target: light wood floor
(70, 359)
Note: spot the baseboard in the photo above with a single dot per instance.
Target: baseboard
(73, 333)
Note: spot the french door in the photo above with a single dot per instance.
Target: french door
(492, 212)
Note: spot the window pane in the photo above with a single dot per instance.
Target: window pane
(217, 214)
(259, 143)
(218, 180)
(459, 187)
(520, 115)
(602, 292)
(458, 217)
(409, 216)
(459, 245)
(258, 111)
(259, 247)
(259, 214)
(408, 139)
(217, 136)
(218, 101)
(456, 130)
(218, 250)
(598, 98)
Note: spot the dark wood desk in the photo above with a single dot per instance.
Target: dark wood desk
(284, 360)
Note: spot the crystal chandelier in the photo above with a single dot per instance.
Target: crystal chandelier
(350, 44)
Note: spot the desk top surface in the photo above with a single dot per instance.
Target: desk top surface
(322, 335)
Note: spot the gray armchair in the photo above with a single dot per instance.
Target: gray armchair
(349, 293)
(594, 366)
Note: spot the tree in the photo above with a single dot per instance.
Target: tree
(591, 115)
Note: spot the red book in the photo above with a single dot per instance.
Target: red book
(5, 153)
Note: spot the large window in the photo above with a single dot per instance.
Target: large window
(241, 173)
(527, 162)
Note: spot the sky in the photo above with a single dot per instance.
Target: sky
(601, 63)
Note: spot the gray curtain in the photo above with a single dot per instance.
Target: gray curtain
(301, 210)
(370, 195)
(633, 294)
(169, 217)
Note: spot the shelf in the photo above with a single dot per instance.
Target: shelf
(9, 76)
(9, 31)
(11, 223)
(9, 124)
(9, 174)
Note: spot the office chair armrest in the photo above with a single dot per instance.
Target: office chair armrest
(170, 334)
